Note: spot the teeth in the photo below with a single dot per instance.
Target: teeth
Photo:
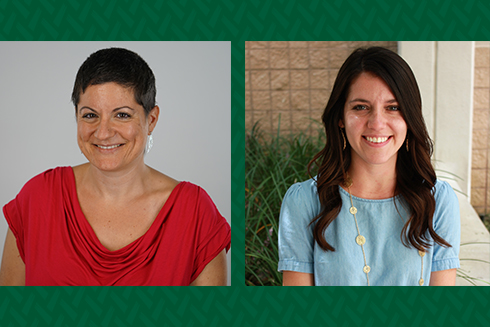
(108, 147)
(376, 139)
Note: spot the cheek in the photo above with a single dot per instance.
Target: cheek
(83, 131)
(134, 132)
(353, 123)
(400, 126)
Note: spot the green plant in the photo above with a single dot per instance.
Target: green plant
(486, 221)
(272, 165)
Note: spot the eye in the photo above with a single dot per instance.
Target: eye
(89, 115)
(123, 115)
(393, 108)
(360, 107)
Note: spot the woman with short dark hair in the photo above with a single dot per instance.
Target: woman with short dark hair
(113, 220)
(375, 214)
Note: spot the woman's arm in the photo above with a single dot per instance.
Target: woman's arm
(13, 270)
(293, 278)
(215, 272)
(443, 278)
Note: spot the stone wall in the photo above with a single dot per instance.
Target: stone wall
(480, 193)
(292, 81)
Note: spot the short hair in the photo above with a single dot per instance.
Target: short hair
(120, 66)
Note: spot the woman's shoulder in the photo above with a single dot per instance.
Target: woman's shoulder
(52, 173)
(447, 203)
(190, 192)
(443, 191)
(42, 186)
(306, 190)
(167, 184)
(183, 191)
(47, 178)
(303, 198)
(162, 183)
(196, 207)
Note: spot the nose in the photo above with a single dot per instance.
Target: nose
(104, 129)
(377, 118)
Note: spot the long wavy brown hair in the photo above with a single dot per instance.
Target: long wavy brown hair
(415, 176)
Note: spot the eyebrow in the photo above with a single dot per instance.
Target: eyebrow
(366, 101)
(115, 109)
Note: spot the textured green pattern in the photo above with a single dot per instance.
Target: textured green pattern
(242, 306)
(240, 21)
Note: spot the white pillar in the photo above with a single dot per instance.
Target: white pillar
(421, 57)
(444, 71)
(454, 108)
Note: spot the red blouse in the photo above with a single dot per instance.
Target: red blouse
(59, 247)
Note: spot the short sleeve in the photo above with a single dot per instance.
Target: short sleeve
(448, 226)
(14, 220)
(213, 234)
(296, 243)
(16, 212)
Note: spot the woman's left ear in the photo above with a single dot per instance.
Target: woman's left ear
(153, 118)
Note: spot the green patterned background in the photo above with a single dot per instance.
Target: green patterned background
(238, 22)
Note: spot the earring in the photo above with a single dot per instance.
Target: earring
(149, 143)
(406, 144)
(345, 143)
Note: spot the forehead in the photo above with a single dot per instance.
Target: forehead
(368, 85)
(107, 94)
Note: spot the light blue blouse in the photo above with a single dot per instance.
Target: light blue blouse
(379, 222)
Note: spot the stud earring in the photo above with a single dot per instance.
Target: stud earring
(343, 137)
(149, 143)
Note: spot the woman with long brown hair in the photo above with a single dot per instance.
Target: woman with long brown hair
(375, 213)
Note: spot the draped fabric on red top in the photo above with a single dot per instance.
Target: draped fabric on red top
(59, 247)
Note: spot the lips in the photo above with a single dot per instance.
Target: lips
(376, 140)
(108, 147)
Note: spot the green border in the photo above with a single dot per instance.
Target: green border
(238, 22)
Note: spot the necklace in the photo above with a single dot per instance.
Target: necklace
(361, 240)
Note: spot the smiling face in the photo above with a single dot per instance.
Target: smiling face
(112, 127)
(373, 122)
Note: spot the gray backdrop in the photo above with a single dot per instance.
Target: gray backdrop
(191, 139)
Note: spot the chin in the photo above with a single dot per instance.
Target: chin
(106, 165)
(381, 160)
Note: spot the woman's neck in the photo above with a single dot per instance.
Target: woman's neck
(114, 185)
(372, 181)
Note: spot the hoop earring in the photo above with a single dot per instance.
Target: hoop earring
(149, 143)
(343, 137)
(406, 144)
